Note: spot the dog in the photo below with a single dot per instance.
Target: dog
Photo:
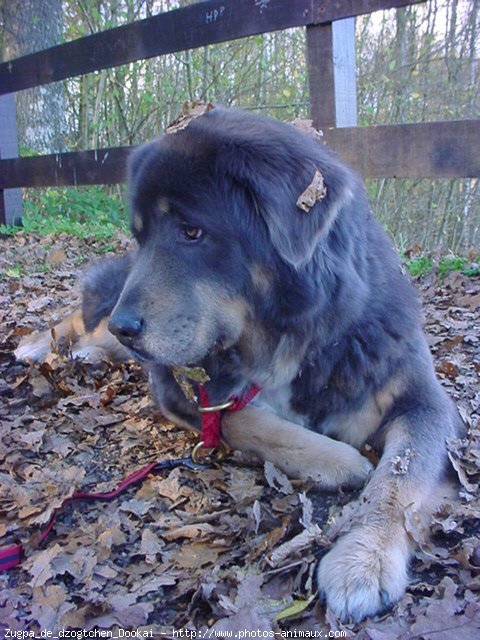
(240, 270)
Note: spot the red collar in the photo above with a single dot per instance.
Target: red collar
(212, 415)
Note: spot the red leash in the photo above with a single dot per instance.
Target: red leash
(211, 430)
(13, 555)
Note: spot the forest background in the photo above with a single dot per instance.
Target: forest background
(419, 63)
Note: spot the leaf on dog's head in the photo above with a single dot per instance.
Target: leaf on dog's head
(182, 376)
(191, 110)
(315, 192)
(307, 127)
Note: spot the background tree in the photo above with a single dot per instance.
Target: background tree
(414, 64)
(28, 26)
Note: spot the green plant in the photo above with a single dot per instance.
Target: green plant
(418, 266)
(423, 264)
(82, 211)
(451, 263)
(12, 272)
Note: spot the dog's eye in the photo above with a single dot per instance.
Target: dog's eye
(192, 234)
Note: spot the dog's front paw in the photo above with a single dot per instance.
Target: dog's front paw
(335, 464)
(364, 573)
(34, 348)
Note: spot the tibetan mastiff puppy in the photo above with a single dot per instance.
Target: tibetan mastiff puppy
(239, 270)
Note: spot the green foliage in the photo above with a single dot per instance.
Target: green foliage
(13, 272)
(81, 211)
(458, 263)
(421, 265)
(418, 266)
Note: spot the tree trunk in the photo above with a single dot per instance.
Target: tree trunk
(31, 26)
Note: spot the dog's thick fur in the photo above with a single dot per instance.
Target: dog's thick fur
(230, 274)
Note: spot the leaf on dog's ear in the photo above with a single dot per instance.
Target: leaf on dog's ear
(182, 376)
(191, 110)
(315, 192)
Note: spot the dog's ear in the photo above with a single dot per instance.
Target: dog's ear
(276, 174)
(102, 285)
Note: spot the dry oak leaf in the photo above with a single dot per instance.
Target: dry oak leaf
(442, 618)
(245, 618)
(277, 479)
(315, 192)
(191, 110)
(152, 583)
(191, 531)
(49, 605)
(151, 544)
(40, 566)
(306, 125)
(197, 555)
(138, 507)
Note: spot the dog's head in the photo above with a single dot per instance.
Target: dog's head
(214, 211)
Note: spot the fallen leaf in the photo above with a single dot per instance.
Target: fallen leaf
(57, 256)
(137, 507)
(277, 479)
(41, 568)
(245, 619)
(196, 555)
(151, 544)
(295, 609)
(190, 531)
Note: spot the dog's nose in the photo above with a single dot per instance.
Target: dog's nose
(125, 326)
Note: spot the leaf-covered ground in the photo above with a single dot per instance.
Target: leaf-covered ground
(231, 546)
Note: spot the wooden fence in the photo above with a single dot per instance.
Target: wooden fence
(433, 149)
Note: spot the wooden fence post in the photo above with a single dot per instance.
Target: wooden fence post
(331, 73)
(10, 199)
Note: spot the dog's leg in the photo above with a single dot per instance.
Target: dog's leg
(36, 346)
(99, 344)
(366, 571)
(93, 345)
(297, 451)
(86, 328)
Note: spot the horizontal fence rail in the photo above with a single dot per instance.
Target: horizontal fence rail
(101, 166)
(426, 149)
(188, 28)
(449, 149)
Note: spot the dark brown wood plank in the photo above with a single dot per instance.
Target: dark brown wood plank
(330, 10)
(103, 166)
(422, 150)
(321, 75)
(187, 28)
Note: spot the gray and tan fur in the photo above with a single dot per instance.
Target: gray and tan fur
(313, 307)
